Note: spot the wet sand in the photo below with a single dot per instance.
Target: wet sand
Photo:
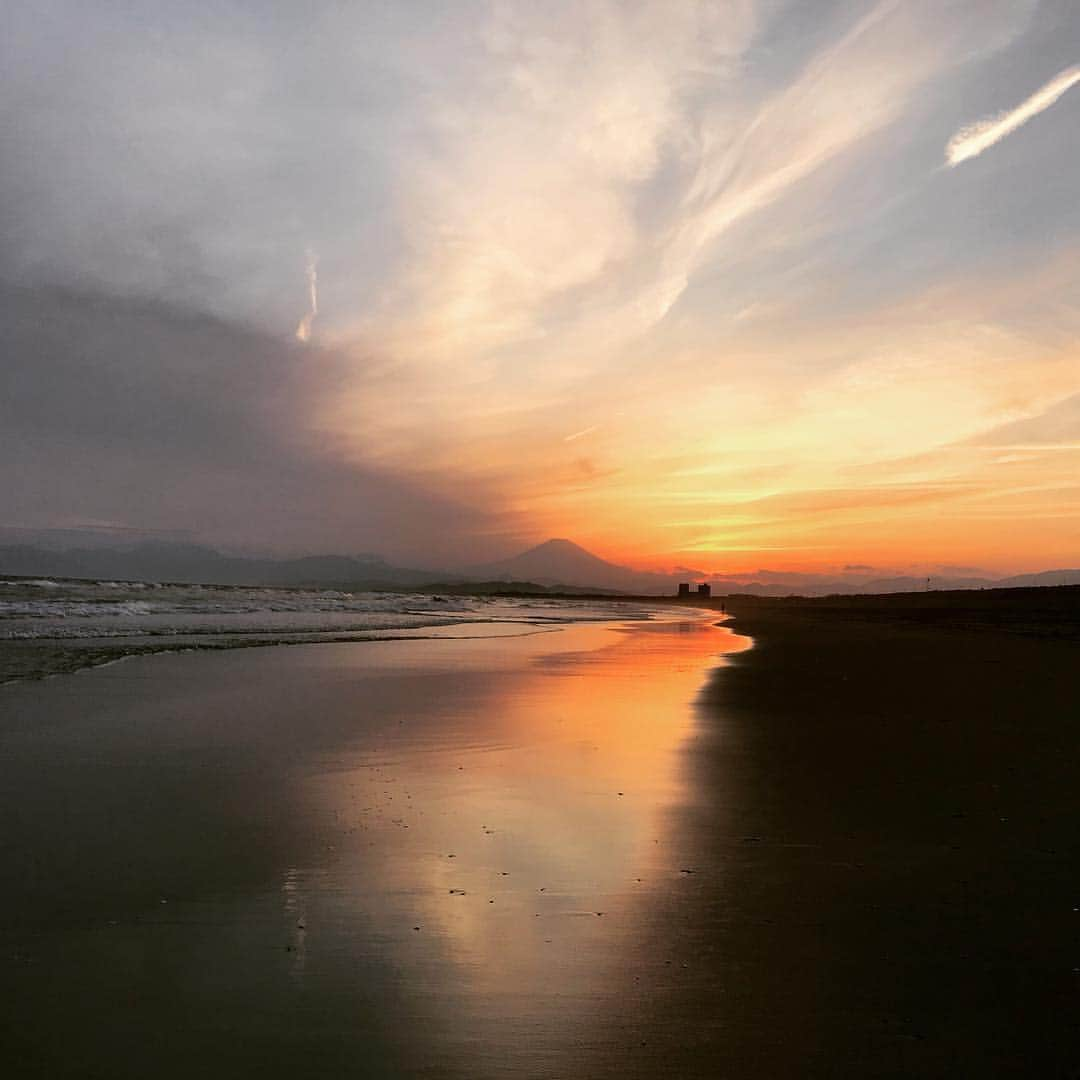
(849, 851)
(415, 858)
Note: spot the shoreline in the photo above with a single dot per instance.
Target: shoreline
(24, 659)
(1046, 612)
(91, 658)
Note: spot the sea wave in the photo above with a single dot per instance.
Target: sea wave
(52, 625)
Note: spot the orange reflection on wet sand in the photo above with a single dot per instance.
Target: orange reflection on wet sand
(504, 844)
(407, 858)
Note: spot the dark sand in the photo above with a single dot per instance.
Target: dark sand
(851, 851)
(891, 843)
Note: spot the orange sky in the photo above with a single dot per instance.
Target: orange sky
(943, 434)
(728, 285)
(765, 329)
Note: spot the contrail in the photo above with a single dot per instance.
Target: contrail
(581, 434)
(303, 329)
(972, 140)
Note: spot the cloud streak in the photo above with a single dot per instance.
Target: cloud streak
(303, 329)
(969, 142)
(581, 434)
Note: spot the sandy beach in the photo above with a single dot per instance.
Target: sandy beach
(412, 858)
(903, 901)
(637, 851)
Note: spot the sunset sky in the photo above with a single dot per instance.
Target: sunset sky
(764, 283)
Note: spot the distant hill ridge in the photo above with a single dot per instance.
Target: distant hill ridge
(192, 563)
(553, 564)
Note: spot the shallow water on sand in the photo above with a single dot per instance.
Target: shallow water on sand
(443, 859)
(52, 626)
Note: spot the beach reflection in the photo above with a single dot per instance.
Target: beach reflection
(396, 859)
(501, 840)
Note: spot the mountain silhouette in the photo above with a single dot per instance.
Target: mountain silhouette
(562, 562)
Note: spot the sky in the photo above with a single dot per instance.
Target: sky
(756, 283)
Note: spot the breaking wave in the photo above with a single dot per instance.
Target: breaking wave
(52, 625)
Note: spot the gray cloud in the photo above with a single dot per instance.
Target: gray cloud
(142, 415)
(193, 153)
(165, 172)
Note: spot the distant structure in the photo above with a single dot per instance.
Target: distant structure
(704, 591)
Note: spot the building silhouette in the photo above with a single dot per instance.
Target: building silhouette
(704, 591)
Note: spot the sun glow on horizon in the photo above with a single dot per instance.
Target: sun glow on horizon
(573, 368)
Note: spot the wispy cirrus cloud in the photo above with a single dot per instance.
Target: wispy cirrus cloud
(969, 142)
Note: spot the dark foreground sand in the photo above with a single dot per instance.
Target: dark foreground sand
(850, 851)
(905, 773)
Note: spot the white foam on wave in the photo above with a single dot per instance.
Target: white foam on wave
(115, 609)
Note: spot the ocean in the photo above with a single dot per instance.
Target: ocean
(52, 625)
